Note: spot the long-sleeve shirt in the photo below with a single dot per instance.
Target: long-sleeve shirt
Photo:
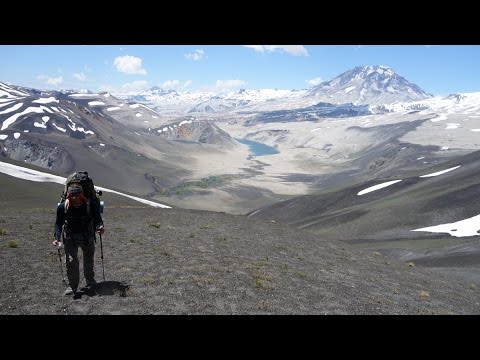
(73, 213)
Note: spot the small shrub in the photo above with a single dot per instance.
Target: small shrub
(156, 225)
(473, 286)
(280, 247)
(424, 295)
(3, 231)
(12, 244)
(301, 274)
(411, 264)
(262, 280)
(376, 253)
(202, 280)
(260, 283)
(148, 280)
(30, 226)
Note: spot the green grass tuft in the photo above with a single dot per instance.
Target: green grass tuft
(12, 244)
(261, 279)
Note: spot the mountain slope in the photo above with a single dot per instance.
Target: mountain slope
(127, 146)
(383, 219)
(176, 261)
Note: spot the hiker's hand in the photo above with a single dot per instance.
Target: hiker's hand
(100, 229)
(57, 243)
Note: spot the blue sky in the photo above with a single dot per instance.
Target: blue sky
(439, 69)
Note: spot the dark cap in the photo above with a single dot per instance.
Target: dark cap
(74, 190)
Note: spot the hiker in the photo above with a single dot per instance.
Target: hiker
(79, 219)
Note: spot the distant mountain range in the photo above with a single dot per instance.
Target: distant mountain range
(158, 136)
(363, 85)
(129, 146)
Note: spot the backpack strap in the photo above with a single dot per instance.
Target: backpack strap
(88, 208)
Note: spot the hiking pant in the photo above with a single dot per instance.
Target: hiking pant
(72, 243)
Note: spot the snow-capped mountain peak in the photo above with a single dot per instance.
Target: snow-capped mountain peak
(171, 101)
(376, 85)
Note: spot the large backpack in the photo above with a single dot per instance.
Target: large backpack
(81, 178)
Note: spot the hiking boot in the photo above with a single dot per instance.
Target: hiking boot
(70, 291)
(91, 282)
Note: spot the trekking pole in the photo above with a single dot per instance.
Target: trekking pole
(101, 256)
(60, 259)
(61, 266)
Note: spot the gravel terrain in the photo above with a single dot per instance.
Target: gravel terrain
(177, 261)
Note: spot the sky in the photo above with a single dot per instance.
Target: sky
(437, 69)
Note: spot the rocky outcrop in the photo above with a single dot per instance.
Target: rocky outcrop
(195, 131)
(38, 153)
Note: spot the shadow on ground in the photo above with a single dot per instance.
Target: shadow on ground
(104, 288)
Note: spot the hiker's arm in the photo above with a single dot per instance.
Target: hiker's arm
(59, 221)
(97, 217)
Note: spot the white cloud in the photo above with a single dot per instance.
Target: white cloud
(187, 83)
(135, 85)
(80, 76)
(170, 84)
(229, 84)
(314, 81)
(55, 81)
(198, 54)
(129, 65)
(297, 50)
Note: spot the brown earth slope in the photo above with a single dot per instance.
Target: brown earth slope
(176, 261)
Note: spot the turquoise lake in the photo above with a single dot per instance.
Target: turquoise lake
(258, 149)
